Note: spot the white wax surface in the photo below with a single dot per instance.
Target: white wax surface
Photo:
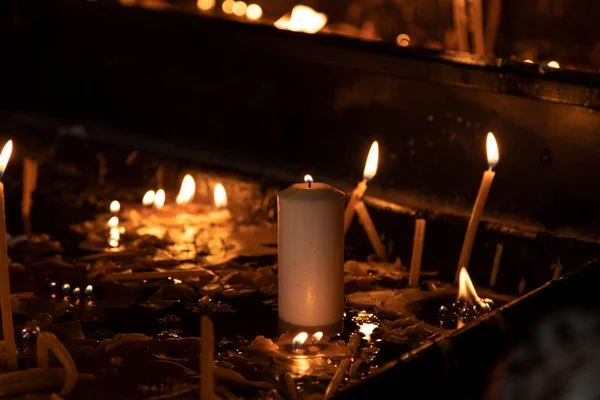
(311, 254)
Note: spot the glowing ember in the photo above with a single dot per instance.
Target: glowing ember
(254, 12)
(372, 161)
(316, 338)
(303, 19)
(468, 305)
(5, 156)
(115, 206)
(159, 199)
(239, 8)
(554, 64)
(113, 222)
(299, 339)
(205, 5)
(220, 196)
(148, 199)
(187, 191)
(493, 155)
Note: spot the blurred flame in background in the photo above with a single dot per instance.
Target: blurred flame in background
(302, 19)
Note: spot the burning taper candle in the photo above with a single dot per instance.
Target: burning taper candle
(359, 192)
(486, 183)
(5, 303)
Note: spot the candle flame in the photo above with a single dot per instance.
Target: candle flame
(187, 191)
(148, 199)
(254, 12)
(528, 61)
(115, 206)
(299, 339)
(466, 289)
(159, 199)
(114, 238)
(316, 337)
(5, 156)
(113, 222)
(220, 196)
(303, 19)
(492, 150)
(372, 162)
(308, 179)
(554, 64)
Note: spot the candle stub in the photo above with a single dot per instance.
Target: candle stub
(311, 254)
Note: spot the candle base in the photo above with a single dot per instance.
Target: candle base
(328, 330)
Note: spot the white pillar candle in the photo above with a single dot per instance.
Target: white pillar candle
(5, 299)
(482, 195)
(311, 254)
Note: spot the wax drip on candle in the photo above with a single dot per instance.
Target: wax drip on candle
(309, 180)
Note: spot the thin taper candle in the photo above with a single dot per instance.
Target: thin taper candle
(482, 195)
(5, 301)
(369, 227)
(361, 188)
(417, 254)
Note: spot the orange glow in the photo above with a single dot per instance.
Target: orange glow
(113, 222)
(205, 5)
(372, 162)
(220, 196)
(554, 64)
(159, 199)
(187, 191)
(239, 8)
(115, 206)
(128, 3)
(403, 40)
(148, 199)
(299, 339)
(5, 156)
(316, 337)
(227, 6)
(254, 12)
(303, 19)
(491, 146)
(466, 289)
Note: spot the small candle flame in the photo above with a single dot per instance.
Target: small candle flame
(220, 196)
(303, 19)
(492, 150)
(308, 179)
(528, 61)
(113, 222)
(187, 191)
(554, 64)
(114, 238)
(159, 199)
(316, 337)
(299, 339)
(466, 289)
(372, 162)
(239, 8)
(148, 199)
(115, 206)
(5, 156)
